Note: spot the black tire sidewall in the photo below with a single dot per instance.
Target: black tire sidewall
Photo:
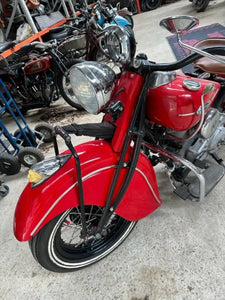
(39, 156)
(44, 127)
(68, 64)
(39, 246)
(202, 7)
(41, 239)
(15, 165)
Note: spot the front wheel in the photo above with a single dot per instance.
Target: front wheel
(60, 247)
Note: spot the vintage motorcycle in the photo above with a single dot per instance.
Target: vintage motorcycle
(83, 203)
(85, 40)
(36, 74)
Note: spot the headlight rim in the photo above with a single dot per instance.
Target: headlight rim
(100, 77)
(61, 160)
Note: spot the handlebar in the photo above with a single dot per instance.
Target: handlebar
(147, 66)
(45, 45)
(38, 46)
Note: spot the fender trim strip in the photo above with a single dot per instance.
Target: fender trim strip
(84, 178)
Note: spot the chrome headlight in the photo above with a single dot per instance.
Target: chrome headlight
(46, 168)
(92, 83)
(119, 44)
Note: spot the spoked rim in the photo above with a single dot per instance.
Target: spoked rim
(68, 249)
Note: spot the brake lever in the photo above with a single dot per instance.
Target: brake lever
(61, 132)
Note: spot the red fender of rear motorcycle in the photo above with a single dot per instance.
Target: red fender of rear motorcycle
(37, 206)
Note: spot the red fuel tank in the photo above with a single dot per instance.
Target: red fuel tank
(38, 65)
(177, 104)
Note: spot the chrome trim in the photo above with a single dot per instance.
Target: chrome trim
(159, 78)
(187, 164)
(191, 85)
(149, 185)
(202, 112)
(186, 115)
(203, 53)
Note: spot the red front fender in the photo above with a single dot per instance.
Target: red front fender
(37, 206)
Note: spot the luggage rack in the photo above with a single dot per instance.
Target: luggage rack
(20, 147)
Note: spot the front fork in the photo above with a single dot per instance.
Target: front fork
(136, 134)
(67, 139)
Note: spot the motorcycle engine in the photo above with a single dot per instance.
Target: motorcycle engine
(204, 142)
(211, 135)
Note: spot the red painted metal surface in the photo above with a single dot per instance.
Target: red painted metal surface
(175, 107)
(131, 85)
(38, 65)
(138, 6)
(37, 206)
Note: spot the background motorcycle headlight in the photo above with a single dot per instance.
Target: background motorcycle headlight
(92, 83)
(119, 44)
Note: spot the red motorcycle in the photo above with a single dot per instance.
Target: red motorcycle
(36, 74)
(83, 203)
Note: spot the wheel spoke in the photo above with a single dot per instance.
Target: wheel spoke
(68, 249)
(71, 229)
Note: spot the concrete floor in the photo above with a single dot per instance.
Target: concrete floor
(176, 253)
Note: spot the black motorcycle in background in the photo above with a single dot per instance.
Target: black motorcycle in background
(35, 75)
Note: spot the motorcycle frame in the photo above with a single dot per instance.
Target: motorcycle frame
(92, 42)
